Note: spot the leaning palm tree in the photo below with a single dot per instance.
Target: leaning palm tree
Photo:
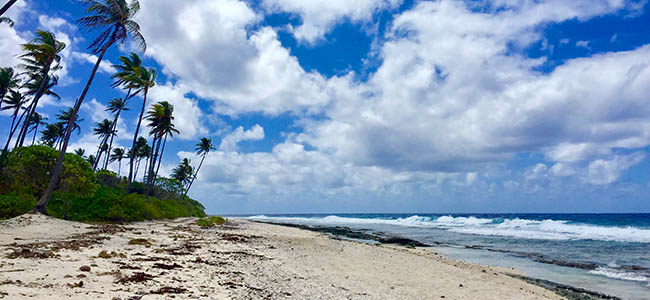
(145, 80)
(8, 80)
(118, 155)
(92, 160)
(202, 148)
(116, 106)
(161, 122)
(7, 6)
(183, 172)
(15, 101)
(104, 130)
(40, 62)
(115, 19)
(36, 121)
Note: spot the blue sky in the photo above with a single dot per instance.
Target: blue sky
(384, 105)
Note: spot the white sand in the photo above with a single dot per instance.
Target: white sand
(244, 260)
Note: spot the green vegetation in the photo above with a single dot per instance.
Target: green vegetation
(49, 180)
(83, 195)
(211, 221)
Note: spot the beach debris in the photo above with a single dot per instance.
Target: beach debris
(75, 285)
(84, 269)
(30, 253)
(166, 266)
(142, 242)
(136, 277)
(168, 290)
(105, 254)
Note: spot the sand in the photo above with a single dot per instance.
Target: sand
(45, 258)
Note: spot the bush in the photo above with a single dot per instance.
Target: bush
(28, 171)
(211, 221)
(110, 179)
(15, 204)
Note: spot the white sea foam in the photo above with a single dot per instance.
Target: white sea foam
(621, 275)
(515, 228)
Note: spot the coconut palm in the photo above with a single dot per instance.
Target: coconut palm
(118, 155)
(8, 80)
(144, 153)
(35, 121)
(7, 20)
(92, 160)
(64, 117)
(7, 6)
(145, 80)
(52, 134)
(161, 122)
(40, 61)
(115, 19)
(81, 152)
(116, 106)
(104, 130)
(203, 147)
(183, 172)
(15, 102)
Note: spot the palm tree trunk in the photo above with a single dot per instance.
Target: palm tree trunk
(45, 198)
(194, 176)
(119, 168)
(135, 136)
(153, 180)
(137, 168)
(12, 130)
(7, 6)
(117, 116)
(39, 93)
(152, 165)
(35, 131)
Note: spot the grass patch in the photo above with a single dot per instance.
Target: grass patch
(212, 221)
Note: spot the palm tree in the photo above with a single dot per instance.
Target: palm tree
(7, 6)
(91, 159)
(143, 153)
(34, 122)
(183, 172)
(52, 134)
(146, 79)
(7, 20)
(116, 106)
(40, 61)
(64, 117)
(8, 80)
(118, 155)
(15, 102)
(161, 120)
(202, 148)
(104, 130)
(115, 18)
(81, 152)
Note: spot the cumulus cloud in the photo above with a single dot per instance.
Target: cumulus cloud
(319, 17)
(221, 60)
(229, 142)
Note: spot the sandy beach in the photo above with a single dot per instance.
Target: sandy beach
(46, 258)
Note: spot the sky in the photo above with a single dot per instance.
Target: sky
(381, 105)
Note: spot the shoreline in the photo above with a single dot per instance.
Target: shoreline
(46, 258)
(568, 291)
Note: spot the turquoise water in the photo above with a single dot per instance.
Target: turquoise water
(608, 253)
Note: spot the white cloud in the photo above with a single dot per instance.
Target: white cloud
(220, 60)
(10, 38)
(188, 117)
(607, 171)
(319, 17)
(229, 142)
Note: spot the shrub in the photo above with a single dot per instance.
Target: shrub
(211, 221)
(110, 179)
(15, 204)
(28, 170)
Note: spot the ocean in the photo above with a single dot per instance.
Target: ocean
(607, 253)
